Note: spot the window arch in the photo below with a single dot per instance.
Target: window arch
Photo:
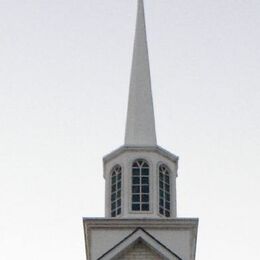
(164, 191)
(116, 183)
(140, 185)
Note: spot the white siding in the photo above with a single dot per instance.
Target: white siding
(139, 252)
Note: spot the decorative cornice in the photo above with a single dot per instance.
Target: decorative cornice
(155, 148)
(145, 222)
(178, 224)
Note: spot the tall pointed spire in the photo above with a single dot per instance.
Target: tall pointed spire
(140, 125)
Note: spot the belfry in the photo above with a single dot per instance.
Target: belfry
(140, 180)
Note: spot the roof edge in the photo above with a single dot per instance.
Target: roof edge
(136, 221)
(155, 148)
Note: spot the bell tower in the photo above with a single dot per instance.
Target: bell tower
(140, 176)
(140, 181)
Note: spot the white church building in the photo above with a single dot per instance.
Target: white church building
(140, 206)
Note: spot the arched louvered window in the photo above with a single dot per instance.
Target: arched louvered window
(116, 183)
(164, 191)
(140, 186)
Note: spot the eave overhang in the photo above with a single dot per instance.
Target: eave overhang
(156, 149)
(140, 229)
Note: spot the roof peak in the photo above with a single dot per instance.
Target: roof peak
(140, 125)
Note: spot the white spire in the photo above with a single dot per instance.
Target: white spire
(140, 125)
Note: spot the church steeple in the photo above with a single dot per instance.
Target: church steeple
(140, 125)
(140, 183)
(140, 176)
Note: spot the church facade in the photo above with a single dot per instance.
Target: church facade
(140, 180)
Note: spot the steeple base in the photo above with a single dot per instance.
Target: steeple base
(108, 239)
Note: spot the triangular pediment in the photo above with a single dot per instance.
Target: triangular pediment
(136, 241)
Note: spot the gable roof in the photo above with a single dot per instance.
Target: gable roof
(137, 235)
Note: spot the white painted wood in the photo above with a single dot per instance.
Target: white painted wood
(163, 238)
(125, 158)
(140, 125)
(108, 238)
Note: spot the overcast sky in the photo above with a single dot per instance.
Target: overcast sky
(64, 77)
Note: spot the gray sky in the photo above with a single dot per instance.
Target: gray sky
(64, 77)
